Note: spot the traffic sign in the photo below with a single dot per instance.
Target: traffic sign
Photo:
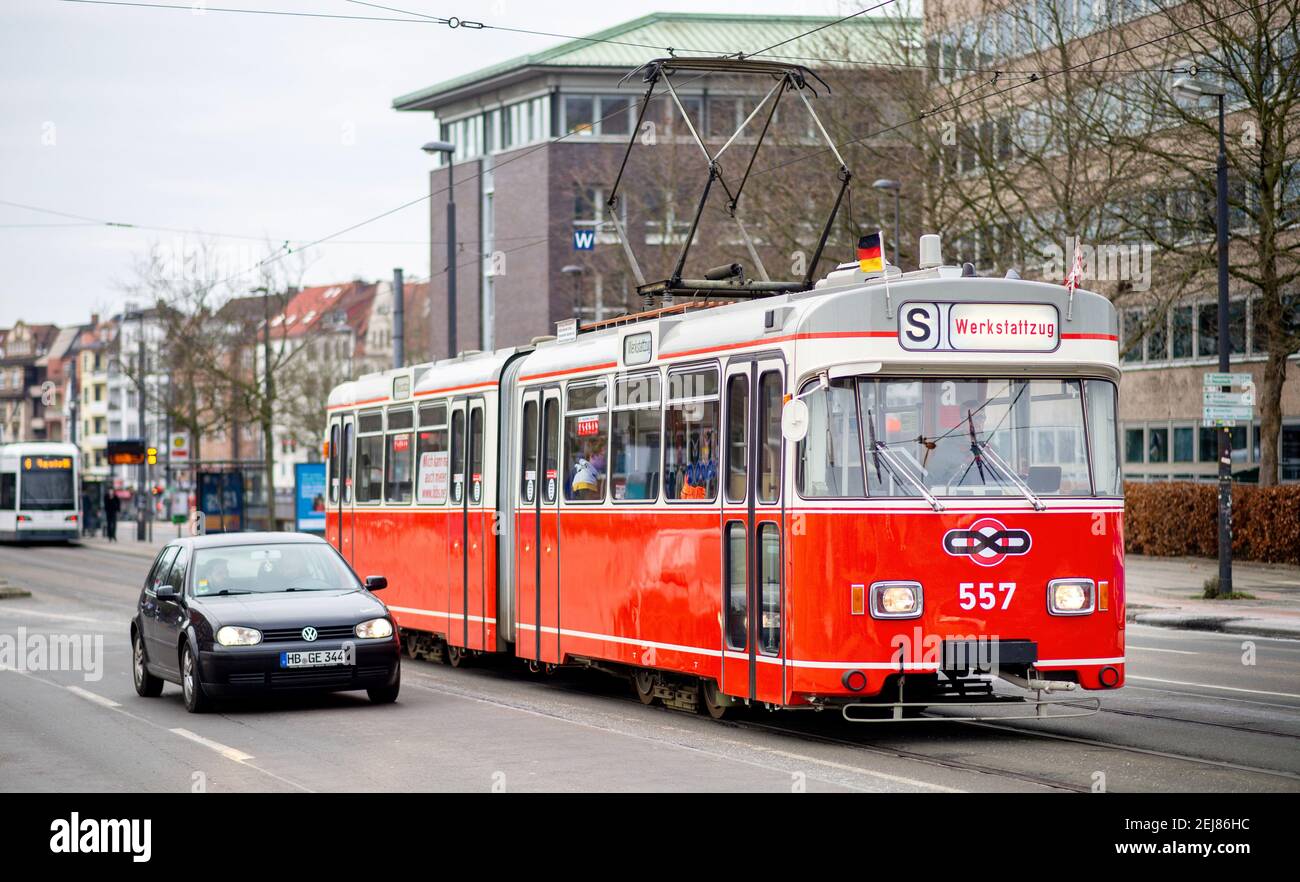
(1227, 413)
(1211, 397)
(1213, 379)
(1214, 424)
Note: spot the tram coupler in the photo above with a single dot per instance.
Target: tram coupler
(1034, 684)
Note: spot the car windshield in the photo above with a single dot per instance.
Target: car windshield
(268, 569)
(883, 436)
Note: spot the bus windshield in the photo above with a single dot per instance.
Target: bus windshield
(47, 484)
(961, 436)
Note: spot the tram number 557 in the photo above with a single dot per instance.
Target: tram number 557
(985, 598)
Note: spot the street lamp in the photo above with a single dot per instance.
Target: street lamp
(447, 149)
(886, 184)
(1187, 87)
(575, 271)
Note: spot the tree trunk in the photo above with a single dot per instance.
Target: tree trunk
(1270, 413)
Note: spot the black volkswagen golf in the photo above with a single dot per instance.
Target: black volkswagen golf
(249, 613)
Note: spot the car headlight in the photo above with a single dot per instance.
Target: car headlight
(375, 629)
(234, 635)
(896, 600)
(1071, 597)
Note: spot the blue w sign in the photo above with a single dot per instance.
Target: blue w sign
(584, 240)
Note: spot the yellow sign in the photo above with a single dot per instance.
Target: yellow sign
(42, 463)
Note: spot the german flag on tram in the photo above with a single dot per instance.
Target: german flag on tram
(871, 253)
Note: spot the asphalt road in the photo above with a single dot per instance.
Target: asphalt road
(1202, 712)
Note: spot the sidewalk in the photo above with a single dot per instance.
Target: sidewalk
(127, 543)
(1166, 591)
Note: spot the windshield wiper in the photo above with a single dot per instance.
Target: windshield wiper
(224, 591)
(982, 450)
(881, 452)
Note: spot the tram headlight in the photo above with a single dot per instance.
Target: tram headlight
(375, 629)
(896, 600)
(234, 635)
(1071, 597)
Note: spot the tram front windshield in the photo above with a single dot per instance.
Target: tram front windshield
(960, 436)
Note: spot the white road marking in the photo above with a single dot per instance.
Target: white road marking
(1212, 686)
(91, 696)
(1153, 649)
(49, 615)
(1203, 697)
(228, 752)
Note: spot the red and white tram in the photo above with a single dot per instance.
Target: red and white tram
(857, 494)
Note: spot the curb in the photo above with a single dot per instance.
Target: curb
(1242, 625)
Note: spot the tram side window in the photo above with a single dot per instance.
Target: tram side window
(737, 586)
(528, 463)
(345, 460)
(737, 437)
(830, 456)
(586, 433)
(8, 491)
(1103, 431)
(398, 457)
(691, 443)
(634, 442)
(476, 476)
(769, 424)
(550, 450)
(769, 582)
(458, 457)
(333, 464)
(431, 456)
(370, 457)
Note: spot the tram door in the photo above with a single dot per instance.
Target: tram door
(465, 551)
(752, 533)
(537, 541)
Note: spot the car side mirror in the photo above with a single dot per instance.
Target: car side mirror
(376, 583)
(165, 592)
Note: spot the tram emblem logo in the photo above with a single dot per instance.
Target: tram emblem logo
(987, 542)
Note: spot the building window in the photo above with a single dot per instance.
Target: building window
(579, 114)
(1182, 332)
(1158, 339)
(1184, 444)
(1132, 335)
(615, 116)
(1158, 444)
(1289, 453)
(1134, 445)
(1207, 329)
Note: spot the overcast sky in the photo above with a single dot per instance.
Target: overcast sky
(264, 126)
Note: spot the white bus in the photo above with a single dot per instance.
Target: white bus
(40, 492)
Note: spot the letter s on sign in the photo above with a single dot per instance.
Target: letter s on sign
(918, 326)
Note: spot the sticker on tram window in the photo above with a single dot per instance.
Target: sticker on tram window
(401, 443)
(588, 426)
(979, 327)
(431, 483)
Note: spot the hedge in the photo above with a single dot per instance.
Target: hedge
(1181, 518)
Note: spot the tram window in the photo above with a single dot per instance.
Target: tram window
(691, 444)
(458, 456)
(8, 491)
(476, 477)
(634, 438)
(769, 424)
(1103, 431)
(398, 457)
(769, 586)
(346, 457)
(737, 586)
(737, 437)
(333, 464)
(586, 434)
(433, 415)
(431, 456)
(830, 456)
(528, 464)
(370, 458)
(551, 450)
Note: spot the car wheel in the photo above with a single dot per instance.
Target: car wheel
(146, 684)
(196, 700)
(386, 694)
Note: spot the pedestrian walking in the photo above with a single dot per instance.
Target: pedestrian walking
(111, 507)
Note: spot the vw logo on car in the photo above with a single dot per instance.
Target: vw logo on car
(309, 634)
